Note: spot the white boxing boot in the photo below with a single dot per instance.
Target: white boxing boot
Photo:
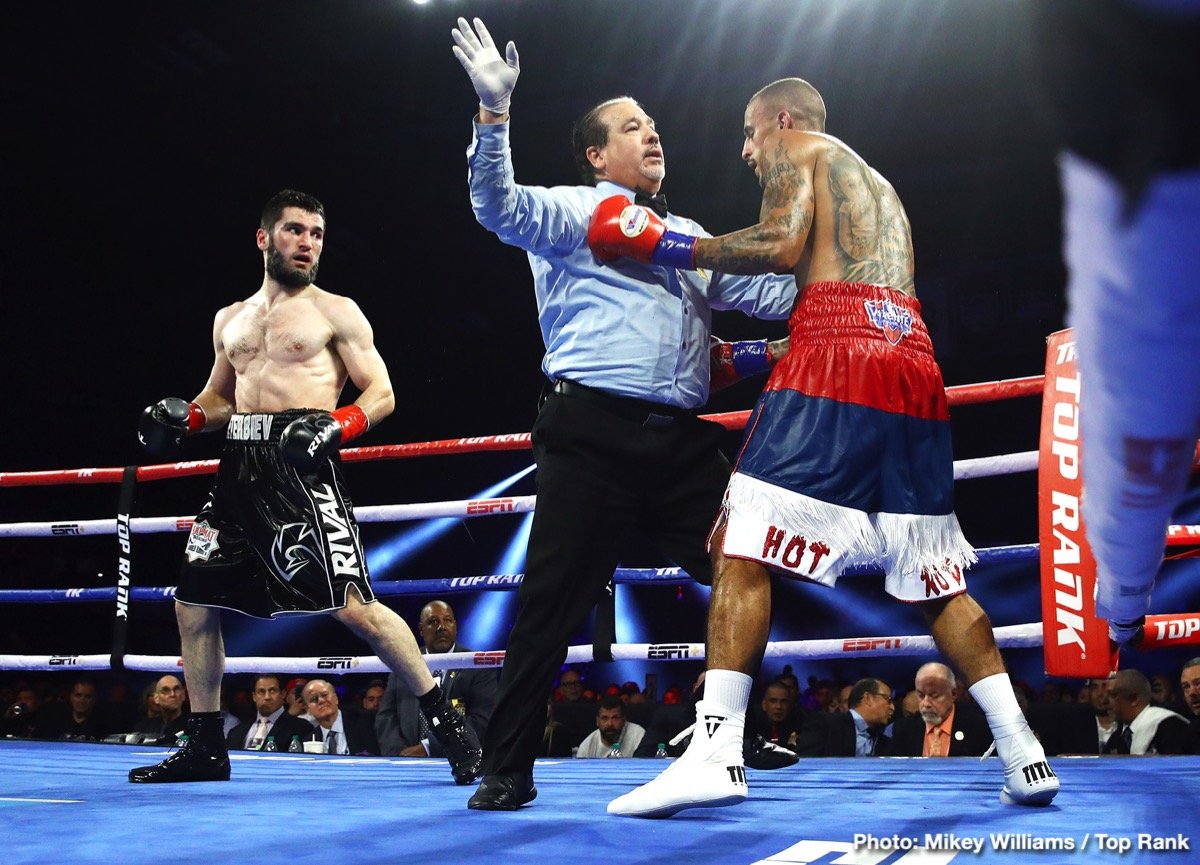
(1028, 778)
(709, 774)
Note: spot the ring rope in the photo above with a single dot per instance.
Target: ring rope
(1009, 636)
(957, 395)
(460, 585)
(980, 467)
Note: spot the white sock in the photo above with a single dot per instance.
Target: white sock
(994, 695)
(727, 690)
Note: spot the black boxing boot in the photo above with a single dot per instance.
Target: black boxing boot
(459, 741)
(201, 756)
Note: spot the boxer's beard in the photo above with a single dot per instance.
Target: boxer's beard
(280, 271)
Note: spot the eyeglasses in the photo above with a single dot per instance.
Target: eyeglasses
(887, 695)
(318, 697)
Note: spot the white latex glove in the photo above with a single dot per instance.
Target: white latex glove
(493, 76)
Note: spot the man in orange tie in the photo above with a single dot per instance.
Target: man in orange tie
(941, 728)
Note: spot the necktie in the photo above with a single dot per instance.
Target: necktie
(935, 742)
(1126, 740)
(260, 733)
(657, 203)
(331, 743)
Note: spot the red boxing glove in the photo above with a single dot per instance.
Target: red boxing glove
(353, 421)
(619, 228)
(730, 362)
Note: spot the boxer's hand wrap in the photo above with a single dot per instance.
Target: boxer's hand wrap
(309, 439)
(492, 76)
(619, 228)
(731, 362)
(164, 425)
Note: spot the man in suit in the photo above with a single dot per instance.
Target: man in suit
(349, 731)
(271, 719)
(858, 732)
(1189, 687)
(1145, 729)
(942, 728)
(398, 724)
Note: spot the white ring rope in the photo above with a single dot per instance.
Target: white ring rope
(1007, 637)
(981, 467)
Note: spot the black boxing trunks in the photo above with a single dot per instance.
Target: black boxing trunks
(847, 457)
(269, 540)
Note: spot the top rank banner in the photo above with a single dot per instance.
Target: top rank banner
(1075, 641)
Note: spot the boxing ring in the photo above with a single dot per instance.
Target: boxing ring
(881, 811)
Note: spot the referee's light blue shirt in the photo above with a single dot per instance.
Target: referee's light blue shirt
(628, 328)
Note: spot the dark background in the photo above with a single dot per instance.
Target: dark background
(140, 141)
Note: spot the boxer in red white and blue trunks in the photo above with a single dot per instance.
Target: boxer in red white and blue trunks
(847, 455)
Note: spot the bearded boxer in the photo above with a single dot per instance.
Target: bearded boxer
(846, 458)
(277, 534)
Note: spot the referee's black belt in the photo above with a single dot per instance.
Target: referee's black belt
(652, 415)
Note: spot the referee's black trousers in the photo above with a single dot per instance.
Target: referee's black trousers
(600, 474)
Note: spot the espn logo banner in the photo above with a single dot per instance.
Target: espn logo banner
(1074, 640)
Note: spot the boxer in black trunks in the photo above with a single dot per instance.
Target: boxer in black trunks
(278, 535)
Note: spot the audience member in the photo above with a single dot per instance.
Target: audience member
(400, 724)
(911, 704)
(778, 718)
(839, 699)
(167, 722)
(1162, 692)
(558, 740)
(78, 718)
(372, 695)
(671, 718)
(943, 728)
(349, 731)
(612, 730)
(296, 706)
(1189, 685)
(1106, 720)
(570, 686)
(1145, 729)
(859, 731)
(271, 718)
(21, 719)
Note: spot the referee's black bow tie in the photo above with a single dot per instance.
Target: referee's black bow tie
(657, 203)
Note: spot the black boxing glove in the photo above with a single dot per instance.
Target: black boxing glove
(309, 439)
(164, 425)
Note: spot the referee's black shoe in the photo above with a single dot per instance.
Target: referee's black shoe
(503, 792)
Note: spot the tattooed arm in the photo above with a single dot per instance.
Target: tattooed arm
(777, 243)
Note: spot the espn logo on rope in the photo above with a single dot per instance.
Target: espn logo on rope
(487, 659)
(669, 652)
(479, 507)
(338, 662)
(63, 660)
(870, 644)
